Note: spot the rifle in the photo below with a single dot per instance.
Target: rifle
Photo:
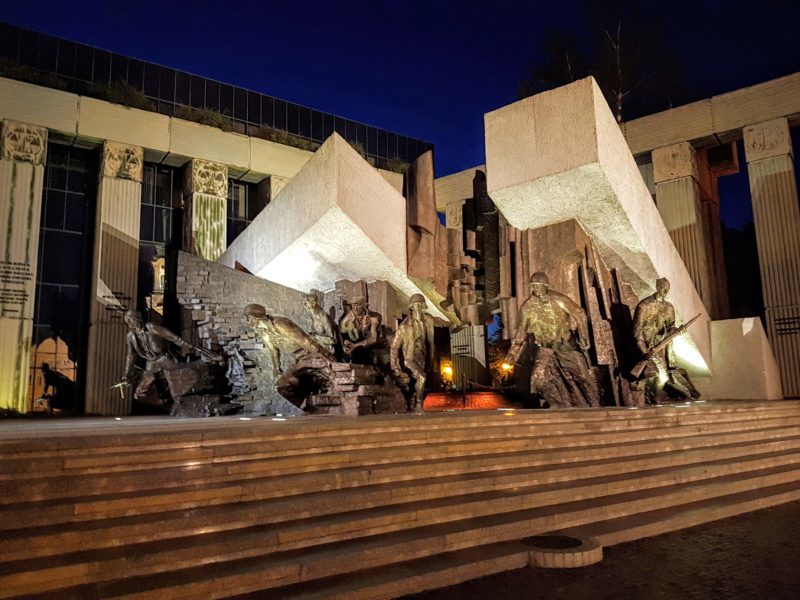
(637, 370)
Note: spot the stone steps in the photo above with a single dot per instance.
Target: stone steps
(451, 568)
(22, 478)
(63, 505)
(204, 516)
(47, 540)
(188, 577)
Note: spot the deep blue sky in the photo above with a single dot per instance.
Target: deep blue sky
(428, 69)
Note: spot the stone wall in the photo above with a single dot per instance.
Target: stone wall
(212, 297)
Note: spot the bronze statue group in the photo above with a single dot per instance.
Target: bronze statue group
(551, 326)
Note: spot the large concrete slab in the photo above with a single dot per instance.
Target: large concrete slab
(338, 218)
(744, 367)
(561, 155)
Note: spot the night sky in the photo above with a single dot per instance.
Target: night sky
(427, 69)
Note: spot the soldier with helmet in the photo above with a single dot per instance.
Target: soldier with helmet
(558, 329)
(414, 340)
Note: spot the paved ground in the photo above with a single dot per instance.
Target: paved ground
(754, 556)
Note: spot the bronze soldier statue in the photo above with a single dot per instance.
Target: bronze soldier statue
(361, 331)
(414, 340)
(322, 327)
(152, 343)
(653, 324)
(558, 328)
(279, 334)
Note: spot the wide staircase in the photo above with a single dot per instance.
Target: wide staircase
(370, 507)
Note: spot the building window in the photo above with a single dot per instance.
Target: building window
(243, 206)
(62, 277)
(161, 192)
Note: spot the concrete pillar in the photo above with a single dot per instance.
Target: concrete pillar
(23, 149)
(205, 202)
(678, 198)
(114, 275)
(773, 189)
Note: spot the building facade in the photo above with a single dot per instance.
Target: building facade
(110, 165)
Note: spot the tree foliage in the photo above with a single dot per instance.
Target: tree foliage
(624, 48)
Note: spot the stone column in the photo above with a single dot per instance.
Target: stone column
(23, 149)
(115, 271)
(773, 189)
(678, 200)
(205, 208)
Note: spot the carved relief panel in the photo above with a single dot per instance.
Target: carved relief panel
(767, 139)
(122, 161)
(207, 177)
(23, 142)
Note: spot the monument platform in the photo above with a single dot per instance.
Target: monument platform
(368, 507)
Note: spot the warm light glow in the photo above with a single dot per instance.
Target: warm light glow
(506, 367)
(686, 353)
(447, 372)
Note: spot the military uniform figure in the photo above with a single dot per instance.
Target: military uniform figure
(653, 321)
(152, 343)
(279, 334)
(414, 340)
(361, 330)
(555, 325)
(322, 328)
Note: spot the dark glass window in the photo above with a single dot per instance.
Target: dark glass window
(267, 111)
(29, 49)
(383, 143)
(101, 73)
(183, 87)
(316, 126)
(239, 104)
(243, 206)
(151, 78)
(84, 62)
(372, 141)
(9, 41)
(340, 125)
(327, 126)
(212, 95)
(253, 108)
(65, 257)
(291, 118)
(66, 58)
(119, 68)
(166, 87)
(197, 99)
(304, 121)
(392, 150)
(280, 114)
(160, 193)
(136, 74)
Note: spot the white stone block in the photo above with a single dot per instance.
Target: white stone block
(270, 158)
(192, 140)
(561, 155)
(743, 365)
(38, 105)
(336, 219)
(102, 120)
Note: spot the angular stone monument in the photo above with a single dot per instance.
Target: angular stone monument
(560, 155)
(336, 219)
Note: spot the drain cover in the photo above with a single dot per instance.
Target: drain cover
(562, 551)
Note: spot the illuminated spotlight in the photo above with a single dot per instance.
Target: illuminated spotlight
(506, 367)
(244, 418)
(277, 419)
(117, 419)
(687, 353)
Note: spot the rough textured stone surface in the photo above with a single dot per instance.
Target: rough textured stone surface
(336, 219)
(212, 297)
(561, 155)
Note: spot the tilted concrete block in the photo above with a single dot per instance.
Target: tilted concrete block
(561, 155)
(336, 219)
